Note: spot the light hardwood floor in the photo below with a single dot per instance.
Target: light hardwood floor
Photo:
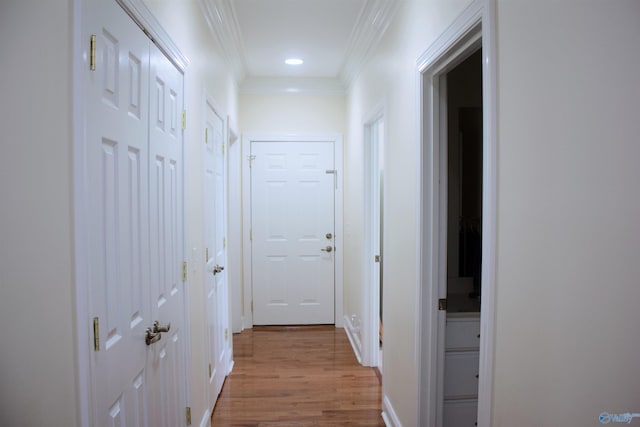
(297, 376)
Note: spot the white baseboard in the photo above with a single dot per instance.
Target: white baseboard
(353, 339)
(388, 414)
(231, 365)
(206, 419)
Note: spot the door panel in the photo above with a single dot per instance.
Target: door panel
(215, 211)
(165, 219)
(292, 202)
(117, 190)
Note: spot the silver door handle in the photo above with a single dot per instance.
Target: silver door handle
(327, 249)
(157, 328)
(217, 269)
(151, 337)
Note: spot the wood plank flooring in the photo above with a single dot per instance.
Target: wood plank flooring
(297, 376)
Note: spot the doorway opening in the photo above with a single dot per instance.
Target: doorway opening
(463, 157)
(457, 222)
(374, 240)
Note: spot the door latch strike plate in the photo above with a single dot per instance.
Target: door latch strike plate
(442, 304)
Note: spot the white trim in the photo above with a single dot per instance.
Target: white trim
(490, 214)
(353, 338)
(246, 216)
(143, 17)
(370, 289)
(235, 226)
(292, 85)
(82, 334)
(461, 38)
(389, 415)
(206, 418)
(223, 24)
(373, 22)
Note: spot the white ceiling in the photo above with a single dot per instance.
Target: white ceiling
(333, 37)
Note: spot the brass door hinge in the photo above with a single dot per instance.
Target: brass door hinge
(210, 370)
(96, 334)
(226, 334)
(206, 135)
(223, 149)
(206, 255)
(442, 304)
(376, 258)
(92, 53)
(184, 119)
(188, 414)
(184, 271)
(251, 306)
(224, 242)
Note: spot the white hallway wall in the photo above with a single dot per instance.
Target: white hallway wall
(37, 347)
(389, 79)
(567, 277)
(568, 209)
(292, 113)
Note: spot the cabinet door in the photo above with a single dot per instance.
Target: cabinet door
(461, 374)
(460, 413)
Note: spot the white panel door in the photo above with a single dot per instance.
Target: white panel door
(117, 193)
(215, 251)
(292, 222)
(134, 158)
(167, 357)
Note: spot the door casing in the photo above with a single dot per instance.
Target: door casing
(373, 236)
(247, 140)
(473, 28)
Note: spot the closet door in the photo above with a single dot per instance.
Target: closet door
(133, 217)
(167, 358)
(117, 221)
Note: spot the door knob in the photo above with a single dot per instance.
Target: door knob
(217, 269)
(151, 337)
(157, 328)
(329, 236)
(327, 249)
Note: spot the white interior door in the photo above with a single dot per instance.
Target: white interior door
(117, 152)
(215, 251)
(167, 356)
(135, 254)
(292, 226)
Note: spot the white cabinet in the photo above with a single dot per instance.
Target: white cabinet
(461, 362)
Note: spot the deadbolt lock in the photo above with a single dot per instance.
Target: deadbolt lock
(329, 236)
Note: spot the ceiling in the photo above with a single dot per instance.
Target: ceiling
(333, 37)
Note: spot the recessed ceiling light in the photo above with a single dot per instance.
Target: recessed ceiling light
(294, 61)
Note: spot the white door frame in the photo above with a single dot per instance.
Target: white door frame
(246, 217)
(82, 224)
(474, 27)
(370, 277)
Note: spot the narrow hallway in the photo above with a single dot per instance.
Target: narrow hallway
(302, 376)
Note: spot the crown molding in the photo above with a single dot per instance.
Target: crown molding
(221, 18)
(373, 21)
(292, 85)
(372, 24)
(143, 17)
